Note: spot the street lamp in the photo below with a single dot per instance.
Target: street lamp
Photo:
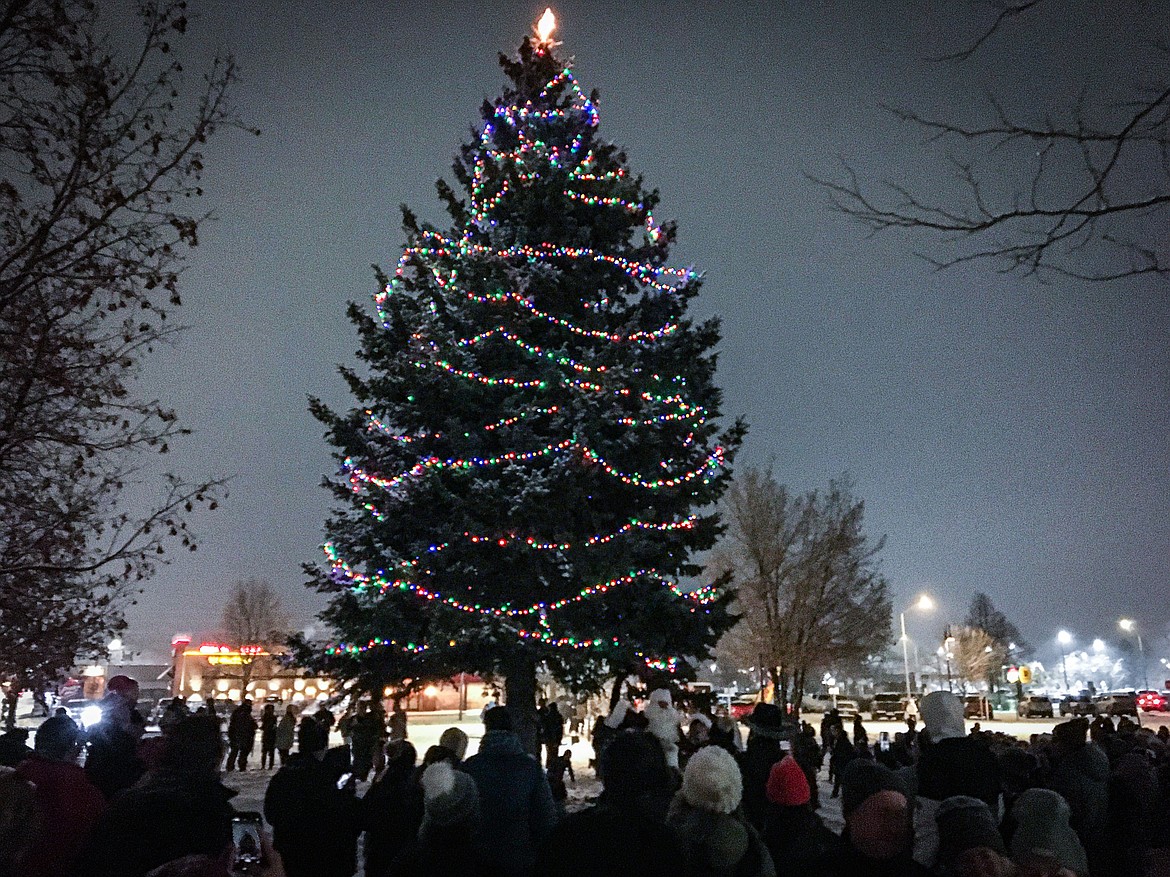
(1065, 639)
(922, 604)
(1129, 626)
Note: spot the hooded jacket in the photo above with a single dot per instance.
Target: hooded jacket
(1039, 824)
(515, 801)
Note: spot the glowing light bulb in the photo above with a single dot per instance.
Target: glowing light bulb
(546, 26)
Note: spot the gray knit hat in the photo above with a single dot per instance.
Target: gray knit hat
(450, 797)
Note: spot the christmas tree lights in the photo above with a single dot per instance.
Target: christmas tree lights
(539, 427)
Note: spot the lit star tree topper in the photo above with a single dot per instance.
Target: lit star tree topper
(535, 453)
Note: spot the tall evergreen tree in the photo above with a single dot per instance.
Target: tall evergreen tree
(535, 454)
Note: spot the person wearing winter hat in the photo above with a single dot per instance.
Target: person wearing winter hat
(455, 740)
(1080, 774)
(952, 763)
(793, 833)
(970, 844)
(712, 833)
(878, 839)
(763, 750)
(1039, 831)
(450, 839)
(68, 804)
(392, 809)
(514, 795)
(623, 834)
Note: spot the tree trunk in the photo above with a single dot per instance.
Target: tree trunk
(616, 694)
(520, 698)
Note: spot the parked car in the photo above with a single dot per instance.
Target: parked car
(847, 709)
(1117, 703)
(890, 705)
(1034, 706)
(1077, 705)
(1151, 701)
(976, 706)
(742, 706)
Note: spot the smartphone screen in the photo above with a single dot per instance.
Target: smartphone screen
(246, 838)
(345, 778)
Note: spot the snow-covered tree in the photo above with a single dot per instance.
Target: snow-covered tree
(535, 449)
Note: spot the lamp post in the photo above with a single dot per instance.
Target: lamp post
(923, 604)
(1064, 638)
(1129, 626)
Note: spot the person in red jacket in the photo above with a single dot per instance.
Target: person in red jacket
(67, 803)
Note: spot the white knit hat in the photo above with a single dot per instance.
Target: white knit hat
(712, 781)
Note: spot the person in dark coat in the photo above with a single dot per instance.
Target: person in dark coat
(241, 733)
(620, 834)
(807, 753)
(392, 809)
(878, 838)
(365, 735)
(953, 763)
(843, 753)
(112, 763)
(14, 747)
(315, 824)
(969, 840)
(514, 795)
(68, 805)
(763, 750)
(860, 737)
(713, 834)
(1080, 774)
(268, 737)
(552, 732)
(450, 839)
(178, 810)
(793, 833)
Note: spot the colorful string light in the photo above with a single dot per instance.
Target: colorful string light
(519, 145)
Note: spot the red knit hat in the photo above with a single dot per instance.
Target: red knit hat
(787, 784)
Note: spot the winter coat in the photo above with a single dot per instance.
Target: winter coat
(515, 801)
(552, 725)
(391, 813)
(959, 766)
(268, 723)
(452, 851)
(168, 815)
(241, 730)
(13, 749)
(112, 763)
(315, 825)
(609, 840)
(717, 844)
(286, 732)
(756, 764)
(1133, 800)
(1081, 776)
(364, 734)
(1039, 820)
(68, 806)
(796, 838)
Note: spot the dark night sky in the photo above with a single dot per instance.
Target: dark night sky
(1008, 436)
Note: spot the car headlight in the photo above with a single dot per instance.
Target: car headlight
(91, 716)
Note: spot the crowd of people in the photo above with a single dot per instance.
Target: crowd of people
(681, 794)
